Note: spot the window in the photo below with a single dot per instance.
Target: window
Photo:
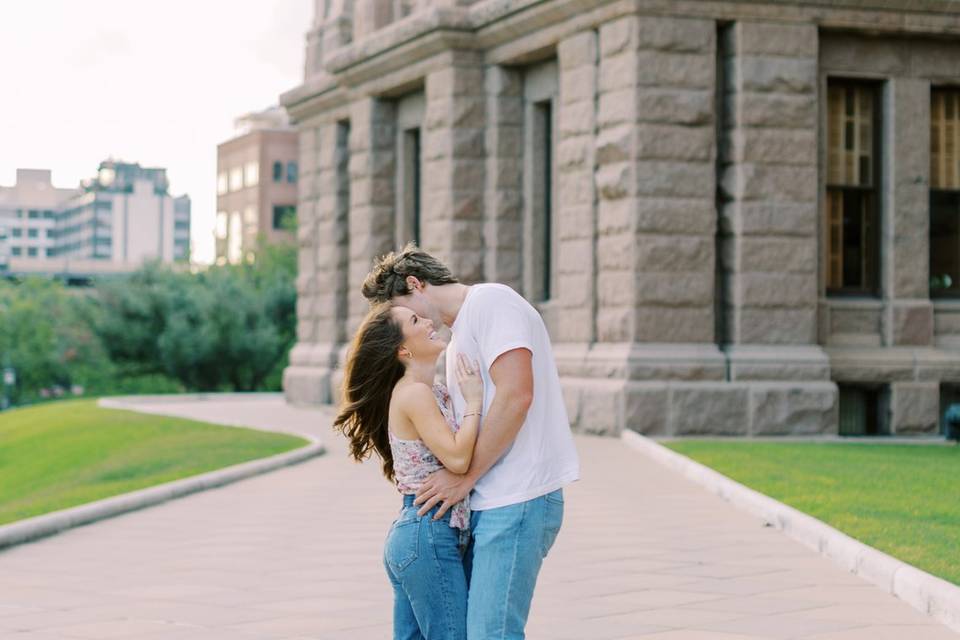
(292, 172)
(278, 172)
(221, 183)
(862, 411)
(33, 214)
(16, 251)
(945, 193)
(51, 233)
(17, 233)
(235, 239)
(48, 215)
(284, 217)
(408, 188)
(250, 217)
(32, 252)
(33, 233)
(543, 185)
(236, 179)
(251, 174)
(221, 228)
(949, 395)
(853, 170)
(50, 253)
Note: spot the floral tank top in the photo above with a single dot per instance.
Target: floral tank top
(413, 461)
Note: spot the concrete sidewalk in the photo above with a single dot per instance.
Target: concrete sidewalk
(297, 554)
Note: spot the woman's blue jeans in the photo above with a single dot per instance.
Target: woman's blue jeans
(424, 561)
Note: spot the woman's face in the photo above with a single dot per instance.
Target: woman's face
(419, 335)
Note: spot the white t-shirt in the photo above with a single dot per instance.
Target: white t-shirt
(495, 319)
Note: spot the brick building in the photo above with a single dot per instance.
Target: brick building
(736, 217)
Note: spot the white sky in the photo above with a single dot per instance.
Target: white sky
(158, 83)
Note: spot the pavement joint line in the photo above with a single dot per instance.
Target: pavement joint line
(926, 593)
(48, 524)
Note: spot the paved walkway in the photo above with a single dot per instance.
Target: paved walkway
(296, 554)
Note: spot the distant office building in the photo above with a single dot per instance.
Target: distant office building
(112, 223)
(256, 185)
(27, 215)
(125, 214)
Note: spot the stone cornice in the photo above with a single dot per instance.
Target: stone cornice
(519, 28)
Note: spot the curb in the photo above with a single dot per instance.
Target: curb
(50, 524)
(928, 594)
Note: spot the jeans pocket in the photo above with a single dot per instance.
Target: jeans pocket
(403, 544)
(552, 519)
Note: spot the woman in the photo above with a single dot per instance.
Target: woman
(392, 406)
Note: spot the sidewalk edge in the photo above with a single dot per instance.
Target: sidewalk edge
(48, 524)
(927, 593)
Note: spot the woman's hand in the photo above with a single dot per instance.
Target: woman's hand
(471, 383)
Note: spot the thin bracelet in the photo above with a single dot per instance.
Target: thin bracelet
(472, 413)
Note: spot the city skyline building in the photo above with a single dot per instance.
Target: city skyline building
(257, 176)
(111, 223)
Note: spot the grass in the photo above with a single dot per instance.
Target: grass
(901, 499)
(64, 454)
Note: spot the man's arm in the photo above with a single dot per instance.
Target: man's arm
(512, 373)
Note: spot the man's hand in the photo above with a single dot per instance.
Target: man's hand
(442, 486)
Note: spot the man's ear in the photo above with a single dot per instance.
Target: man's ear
(413, 283)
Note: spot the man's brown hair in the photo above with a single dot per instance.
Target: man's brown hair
(389, 274)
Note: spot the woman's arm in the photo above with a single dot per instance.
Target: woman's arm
(454, 450)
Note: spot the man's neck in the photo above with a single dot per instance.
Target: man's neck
(451, 297)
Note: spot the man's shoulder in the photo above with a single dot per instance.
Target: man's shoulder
(489, 293)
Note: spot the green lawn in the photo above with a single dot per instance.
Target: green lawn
(64, 454)
(901, 499)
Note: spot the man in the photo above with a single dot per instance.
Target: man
(524, 453)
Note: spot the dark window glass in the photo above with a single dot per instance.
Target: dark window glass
(860, 411)
(16, 251)
(284, 217)
(17, 233)
(33, 233)
(33, 214)
(291, 172)
(32, 252)
(944, 243)
(278, 172)
(852, 202)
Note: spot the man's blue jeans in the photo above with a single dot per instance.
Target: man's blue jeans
(424, 562)
(502, 562)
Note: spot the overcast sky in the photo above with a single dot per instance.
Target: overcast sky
(158, 83)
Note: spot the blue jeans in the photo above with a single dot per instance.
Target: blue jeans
(424, 561)
(502, 562)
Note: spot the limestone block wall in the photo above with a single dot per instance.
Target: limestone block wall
(686, 203)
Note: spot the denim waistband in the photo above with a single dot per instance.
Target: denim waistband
(408, 502)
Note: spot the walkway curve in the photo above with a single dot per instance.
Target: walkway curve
(296, 554)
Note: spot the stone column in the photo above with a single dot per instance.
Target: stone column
(503, 206)
(769, 205)
(656, 180)
(372, 193)
(454, 162)
(575, 207)
(322, 280)
(768, 217)
(905, 248)
(656, 225)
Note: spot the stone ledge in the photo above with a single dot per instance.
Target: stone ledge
(928, 594)
(50, 524)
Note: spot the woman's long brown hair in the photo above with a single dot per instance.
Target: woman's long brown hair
(372, 370)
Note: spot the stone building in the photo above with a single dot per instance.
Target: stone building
(736, 217)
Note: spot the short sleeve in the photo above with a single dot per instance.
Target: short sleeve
(502, 324)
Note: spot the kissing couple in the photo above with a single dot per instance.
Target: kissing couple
(480, 462)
